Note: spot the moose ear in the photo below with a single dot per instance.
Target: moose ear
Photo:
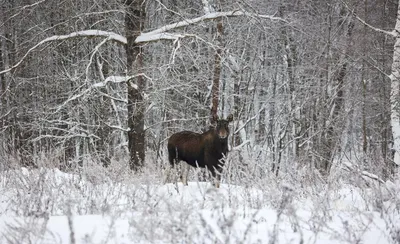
(229, 118)
(215, 118)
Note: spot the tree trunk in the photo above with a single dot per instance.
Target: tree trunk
(217, 71)
(334, 133)
(394, 95)
(134, 21)
(363, 114)
(364, 87)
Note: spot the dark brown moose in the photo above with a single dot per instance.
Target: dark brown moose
(200, 150)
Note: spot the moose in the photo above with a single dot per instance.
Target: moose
(200, 150)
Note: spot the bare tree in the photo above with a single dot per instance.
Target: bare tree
(134, 23)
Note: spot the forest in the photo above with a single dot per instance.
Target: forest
(308, 83)
(94, 89)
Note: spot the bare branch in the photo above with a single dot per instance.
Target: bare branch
(390, 33)
(119, 79)
(155, 35)
(26, 7)
(162, 32)
(116, 127)
(73, 98)
(86, 33)
(239, 147)
(350, 167)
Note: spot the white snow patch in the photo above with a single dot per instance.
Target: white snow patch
(107, 212)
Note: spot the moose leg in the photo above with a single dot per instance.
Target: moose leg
(185, 173)
(171, 169)
(215, 169)
(216, 174)
(172, 161)
(167, 174)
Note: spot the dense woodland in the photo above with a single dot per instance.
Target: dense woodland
(308, 82)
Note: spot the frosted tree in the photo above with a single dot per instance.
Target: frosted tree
(70, 120)
(394, 89)
(395, 92)
(134, 24)
(114, 79)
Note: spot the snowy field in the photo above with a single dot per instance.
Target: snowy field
(48, 206)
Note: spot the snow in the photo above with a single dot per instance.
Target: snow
(34, 207)
(154, 35)
(150, 37)
(207, 7)
(114, 79)
(161, 33)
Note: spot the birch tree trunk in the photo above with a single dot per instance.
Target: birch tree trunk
(217, 71)
(134, 22)
(394, 95)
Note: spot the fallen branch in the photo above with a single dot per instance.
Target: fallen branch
(365, 174)
(350, 167)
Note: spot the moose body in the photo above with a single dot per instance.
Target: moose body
(201, 150)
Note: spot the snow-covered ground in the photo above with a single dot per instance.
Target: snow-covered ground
(48, 206)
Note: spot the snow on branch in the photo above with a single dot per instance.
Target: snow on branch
(86, 33)
(237, 148)
(390, 33)
(26, 7)
(388, 185)
(162, 31)
(115, 127)
(350, 167)
(119, 79)
(65, 137)
(72, 99)
(155, 35)
(207, 7)
(113, 79)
